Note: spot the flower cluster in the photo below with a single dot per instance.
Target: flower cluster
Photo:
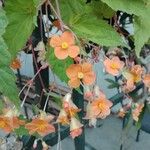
(130, 75)
(68, 116)
(9, 121)
(98, 106)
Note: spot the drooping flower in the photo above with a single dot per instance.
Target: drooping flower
(68, 103)
(80, 72)
(121, 113)
(88, 94)
(70, 108)
(146, 80)
(75, 127)
(45, 146)
(113, 66)
(9, 120)
(8, 124)
(98, 93)
(64, 45)
(132, 76)
(41, 125)
(5, 124)
(15, 64)
(137, 110)
(136, 72)
(101, 108)
(89, 111)
(63, 117)
(73, 111)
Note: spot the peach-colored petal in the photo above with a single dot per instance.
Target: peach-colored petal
(72, 70)
(89, 78)
(75, 133)
(101, 108)
(86, 67)
(74, 83)
(73, 51)
(55, 41)
(48, 129)
(60, 53)
(68, 38)
(146, 80)
(15, 64)
(119, 64)
(113, 66)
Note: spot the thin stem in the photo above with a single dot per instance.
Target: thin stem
(59, 139)
(46, 102)
(37, 68)
(29, 82)
(26, 95)
(57, 15)
(58, 12)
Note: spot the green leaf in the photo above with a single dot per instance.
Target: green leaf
(136, 7)
(1, 105)
(8, 86)
(140, 8)
(95, 30)
(5, 57)
(59, 66)
(20, 14)
(3, 21)
(142, 33)
(100, 9)
(21, 131)
(69, 8)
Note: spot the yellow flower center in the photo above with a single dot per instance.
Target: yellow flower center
(114, 66)
(64, 45)
(41, 126)
(101, 106)
(80, 75)
(2, 124)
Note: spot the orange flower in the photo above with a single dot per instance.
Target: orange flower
(136, 112)
(5, 124)
(146, 80)
(121, 113)
(9, 120)
(75, 127)
(80, 72)
(64, 45)
(16, 64)
(41, 126)
(132, 76)
(63, 117)
(76, 132)
(8, 124)
(101, 108)
(73, 111)
(136, 72)
(113, 66)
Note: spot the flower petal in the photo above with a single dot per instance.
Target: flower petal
(89, 78)
(72, 70)
(86, 67)
(74, 83)
(68, 38)
(61, 53)
(73, 51)
(55, 41)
